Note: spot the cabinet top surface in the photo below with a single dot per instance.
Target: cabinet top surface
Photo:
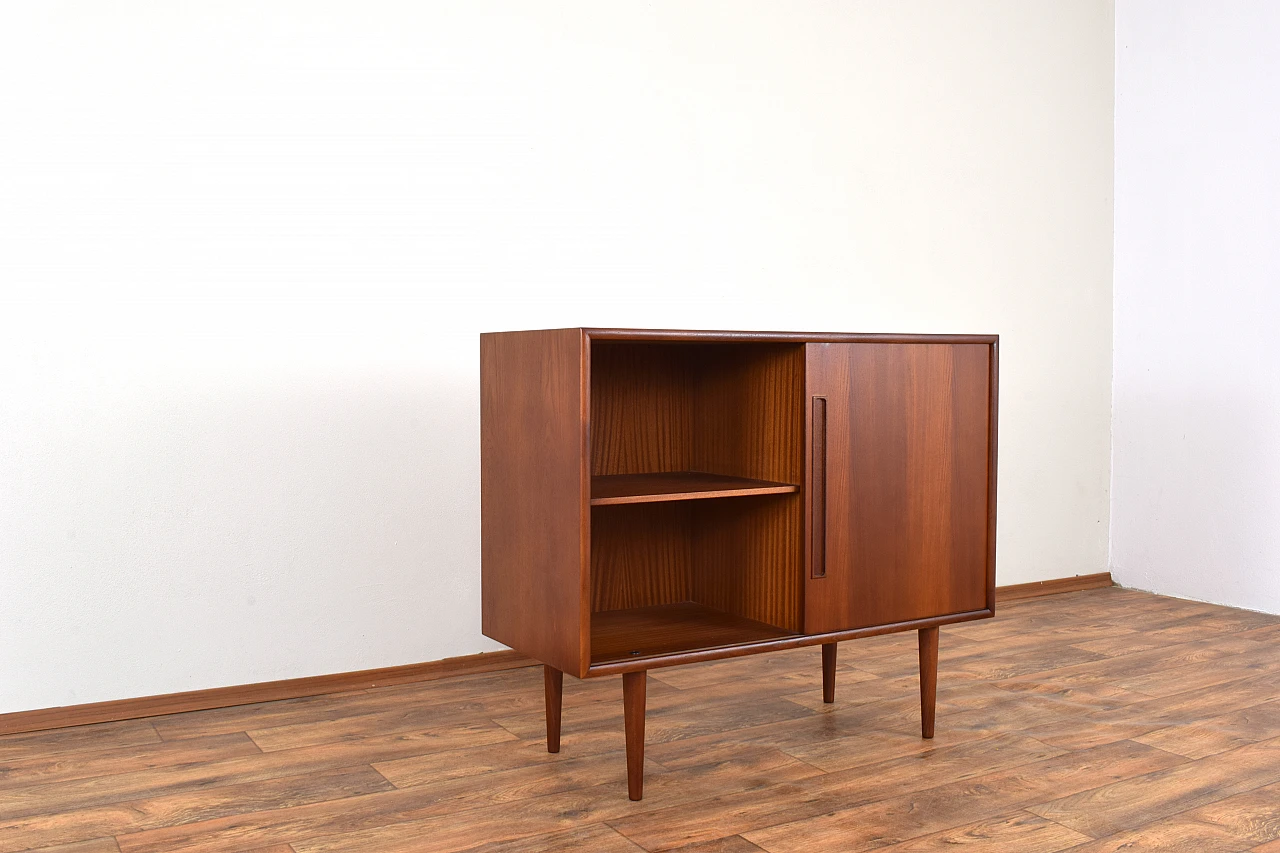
(718, 336)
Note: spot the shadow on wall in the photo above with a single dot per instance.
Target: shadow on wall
(190, 536)
(1196, 498)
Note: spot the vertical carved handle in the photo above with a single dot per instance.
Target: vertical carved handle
(818, 567)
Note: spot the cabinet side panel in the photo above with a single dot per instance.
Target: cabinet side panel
(534, 493)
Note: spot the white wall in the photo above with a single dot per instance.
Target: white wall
(247, 249)
(1196, 489)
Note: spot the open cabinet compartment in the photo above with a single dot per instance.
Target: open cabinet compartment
(697, 517)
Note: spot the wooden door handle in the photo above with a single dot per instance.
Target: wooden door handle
(818, 566)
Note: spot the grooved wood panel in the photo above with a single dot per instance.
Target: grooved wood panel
(748, 558)
(1040, 746)
(641, 555)
(641, 408)
(906, 482)
(534, 493)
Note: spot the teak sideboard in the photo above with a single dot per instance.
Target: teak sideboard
(652, 498)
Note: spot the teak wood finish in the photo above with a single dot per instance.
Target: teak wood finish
(652, 498)
(902, 504)
(534, 489)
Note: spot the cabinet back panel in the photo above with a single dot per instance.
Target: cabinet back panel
(734, 409)
(748, 558)
(641, 555)
(641, 409)
(749, 411)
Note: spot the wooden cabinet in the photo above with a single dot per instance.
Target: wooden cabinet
(652, 498)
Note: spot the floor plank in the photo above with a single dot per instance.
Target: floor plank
(1129, 803)
(59, 741)
(897, 819)
(595, 838)
(64, 767)
(1020, 831)
(202, 804)
(1201, 738)
(1175, 835)
(732, 844)
(1254, 815)
(739, 814)
(96, 845)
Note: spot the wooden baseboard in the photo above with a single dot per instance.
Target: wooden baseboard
(295, 688)
(248, 694)
(1019, 591)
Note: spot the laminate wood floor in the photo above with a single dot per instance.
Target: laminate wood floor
(1095, 721)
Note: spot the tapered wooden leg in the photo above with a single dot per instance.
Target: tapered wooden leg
(553, 684)
(828, 672)
(633, 684)
(928, 679)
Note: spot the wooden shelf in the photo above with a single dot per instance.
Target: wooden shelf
(677, 486)
(663, 629)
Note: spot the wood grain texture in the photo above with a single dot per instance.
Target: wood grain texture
(645, 632)
(210, 802)
(641, 555)
(748, 558)
(739, 555)
(731, 409)
(907, 482)
(680, 419)
(678, 486)
(750, 423)
(829, 672)
(642, 417)
(633, 702)
(748, 409)
(1035, 750)
(1020, 831)
(597, 838)
(534, 492)
(100, 845)
(928, 641)
(553, 694)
